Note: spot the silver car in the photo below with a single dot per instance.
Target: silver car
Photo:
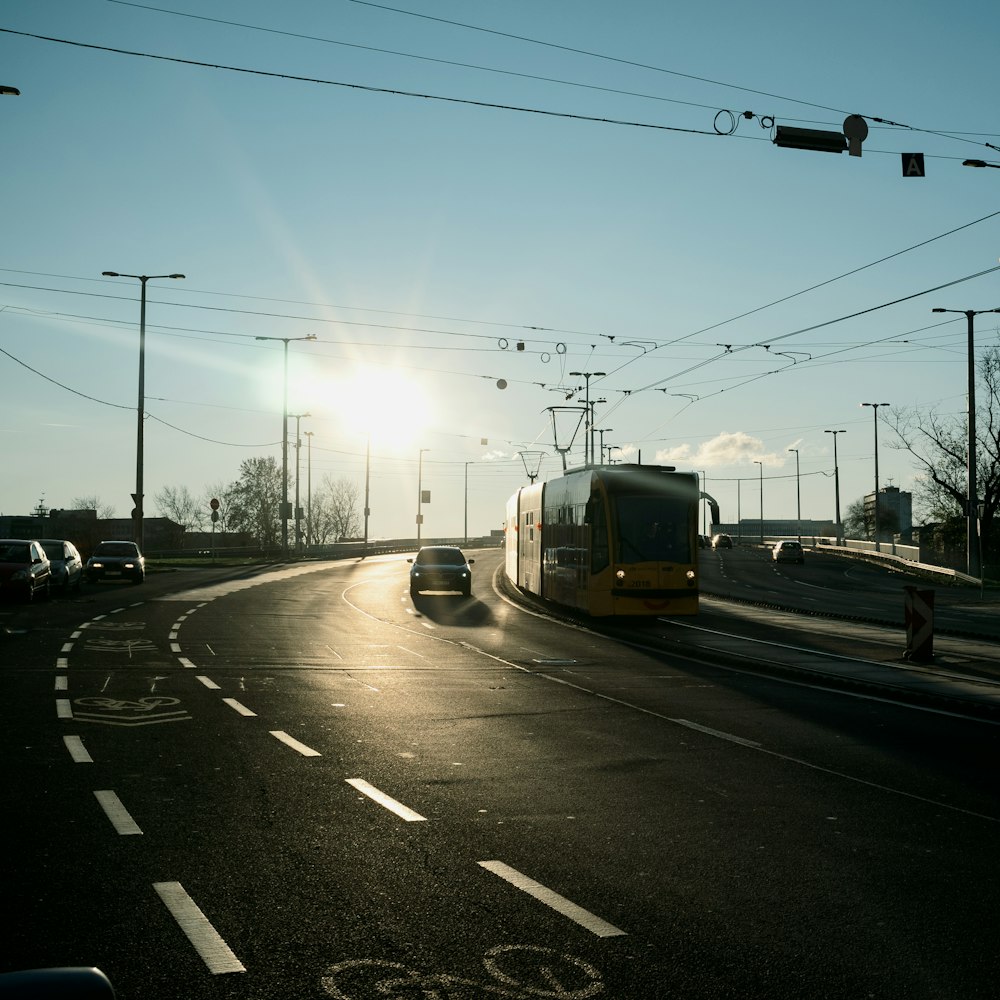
(66, 563)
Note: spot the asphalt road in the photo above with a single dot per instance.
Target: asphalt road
(305, 785)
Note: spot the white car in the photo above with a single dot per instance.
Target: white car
(788, 551)
(66, 563)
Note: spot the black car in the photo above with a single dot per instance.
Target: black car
(722, 541)
(118, 561)
(440, 567)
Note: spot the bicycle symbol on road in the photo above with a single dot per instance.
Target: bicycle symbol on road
(146, 704)
(516, 971)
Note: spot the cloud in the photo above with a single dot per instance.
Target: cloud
(725, 449)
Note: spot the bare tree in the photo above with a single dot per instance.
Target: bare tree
(178, 504)
(939, 443)
(104, 510)
(335, 512)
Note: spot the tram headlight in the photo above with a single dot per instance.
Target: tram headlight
(620, 575)
(691, 577)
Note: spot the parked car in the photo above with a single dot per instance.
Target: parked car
(116, 560)
(440, 567)
(722, 542)
(787, 551)
(24, 569)
(66, 563)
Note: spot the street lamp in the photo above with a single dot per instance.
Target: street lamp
(137, 514)
(875, 406)
(284, 439)
(588, 442)
(761, 464)
(836, 485)
(368, 458)
(309, 487)
(798, 494)
(602, 431)
(972, 555)
(298, 508)
(420, 492)
(10, 91)
(977, 163)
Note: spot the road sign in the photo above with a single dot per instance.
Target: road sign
(913, 165)
(213, 503)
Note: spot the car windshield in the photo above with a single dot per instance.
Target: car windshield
(54, 550)
(15, 552)
(116, 549)
(439, 557)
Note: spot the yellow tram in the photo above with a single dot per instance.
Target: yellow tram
(608, 540)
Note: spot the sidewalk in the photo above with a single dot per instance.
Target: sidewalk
(963, 676)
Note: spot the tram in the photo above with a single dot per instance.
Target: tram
(608, 540)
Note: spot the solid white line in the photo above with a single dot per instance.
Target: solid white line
(242, 709)
(404, 812)
(208, 682)
(717, 732)
(290, 741)
(207, 941)
(77, 750)
(560, 904)
(63, 709)
(117, 813)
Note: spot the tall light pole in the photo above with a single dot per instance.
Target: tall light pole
(588, 443)
(972, 560)
(467, 464)
(368, 459)
(836, 485)
(298, 509)
(602, 431)
(875, 406)
(798, 494)
(420, 492)
(137, 512)
(309, 487)
(761, 464)
(284, 439)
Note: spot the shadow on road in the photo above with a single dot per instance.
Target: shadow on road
(453, 609)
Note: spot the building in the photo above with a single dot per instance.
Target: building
(895, 512)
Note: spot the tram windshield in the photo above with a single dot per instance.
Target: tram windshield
(652, 529)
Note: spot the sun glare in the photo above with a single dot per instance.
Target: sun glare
(385, 402)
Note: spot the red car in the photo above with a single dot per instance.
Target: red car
(24, 569)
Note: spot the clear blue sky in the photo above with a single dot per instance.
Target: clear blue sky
(421, 238)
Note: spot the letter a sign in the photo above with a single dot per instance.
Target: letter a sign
(913, 165)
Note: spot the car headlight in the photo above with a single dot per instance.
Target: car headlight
(97, 565)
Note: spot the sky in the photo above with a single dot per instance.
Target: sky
(465, 203)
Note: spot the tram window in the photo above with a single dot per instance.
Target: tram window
(652, 530)
(595, 517)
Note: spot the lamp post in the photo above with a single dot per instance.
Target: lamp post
(284, 439)
(298, 509)
(973, 563)
(467, 464)
(602, 431)
(761, 464)
(309, 487)
(875, 406)
(10, 91)
(420, 491)
(368, 457)
(588, 443)
(137, 513)
(798, 495)
(836, 485)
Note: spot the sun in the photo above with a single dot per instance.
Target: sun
(387, 403)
